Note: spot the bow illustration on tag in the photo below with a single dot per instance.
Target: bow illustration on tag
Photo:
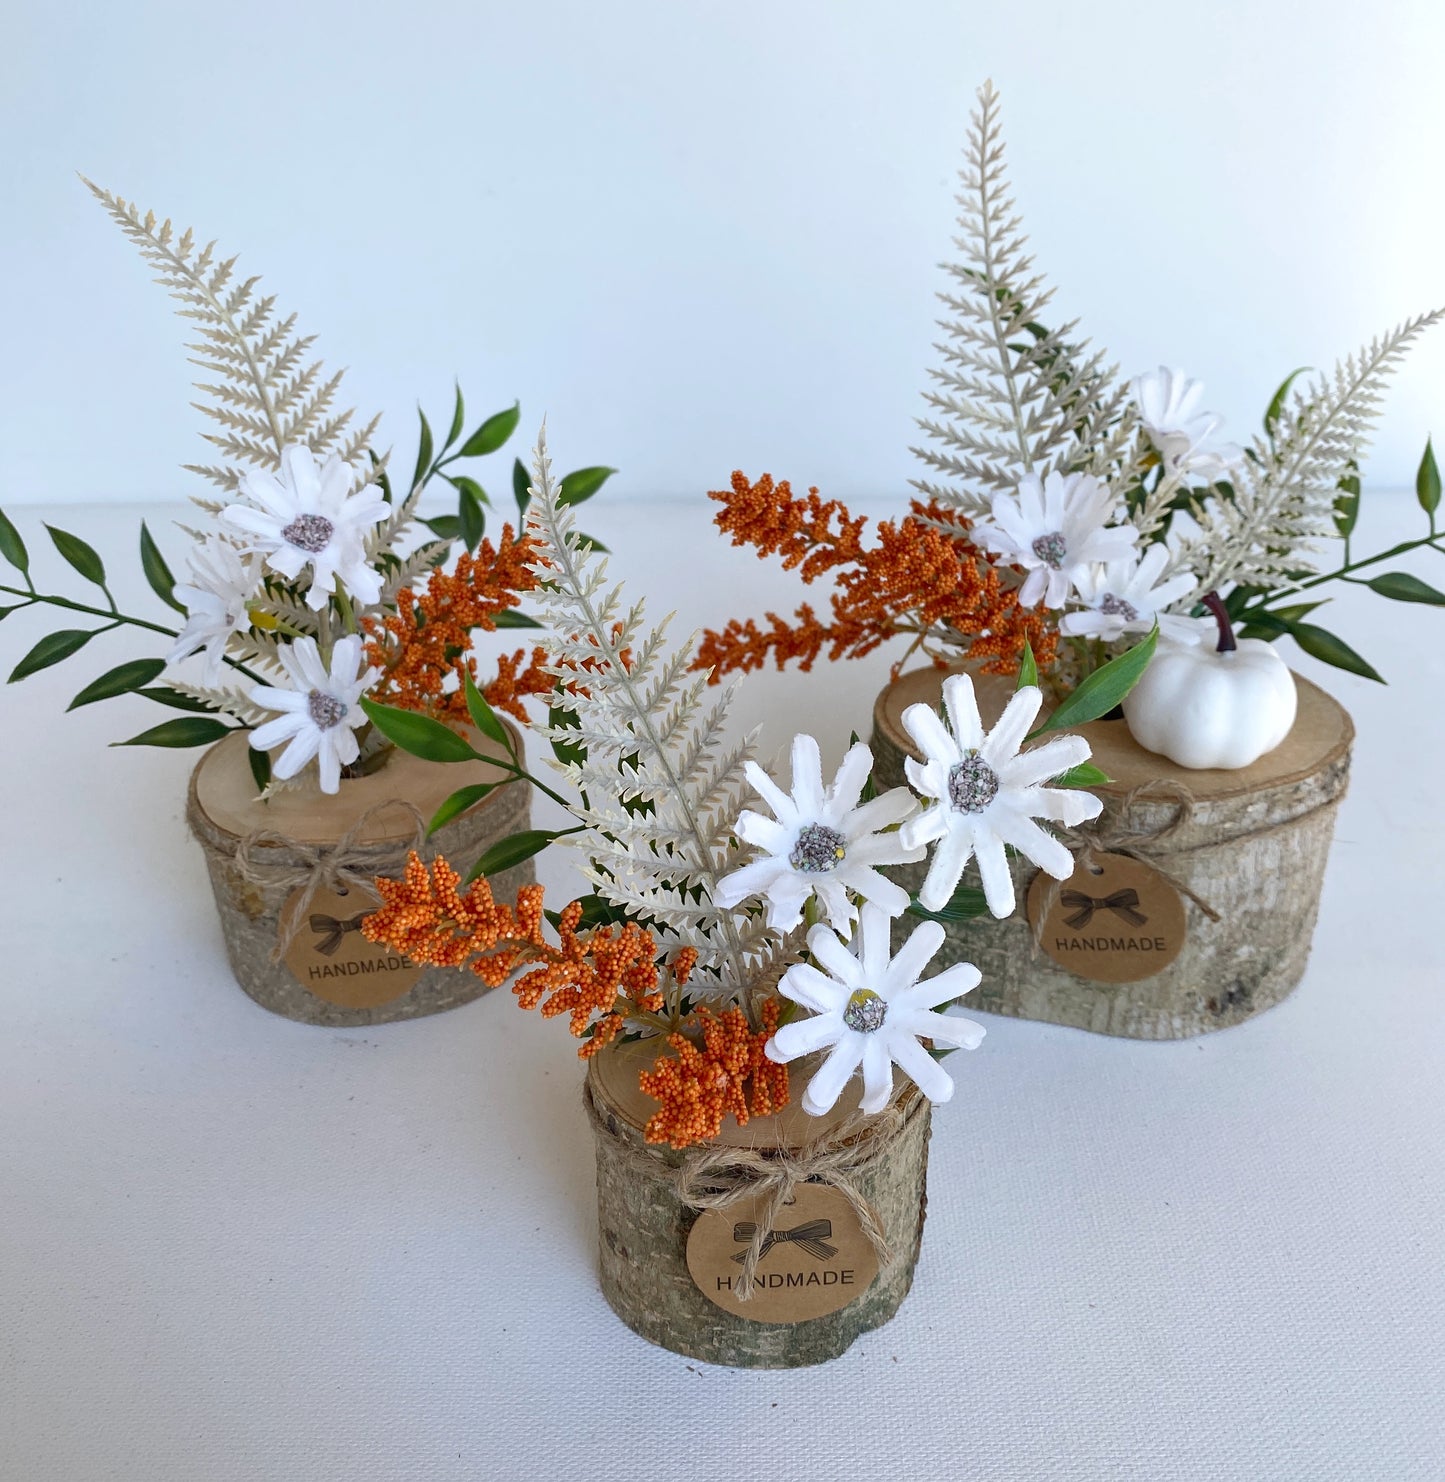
(813, 1237)
(333, 930)
(1123, 903)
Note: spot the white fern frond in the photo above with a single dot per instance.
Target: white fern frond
(1010, 396)
(649, 739)
(1284, 493)
(260, 388)
(227, 698)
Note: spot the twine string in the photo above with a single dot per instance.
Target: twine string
(1112, 834)
(715, 1177)
(349, 864)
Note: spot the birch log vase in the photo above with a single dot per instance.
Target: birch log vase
(1250, 844)
(657, 1260)
(292, 931)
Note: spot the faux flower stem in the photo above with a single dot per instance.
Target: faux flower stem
(519, 771)
(120, 618)
(1343, 572)
(348, 611)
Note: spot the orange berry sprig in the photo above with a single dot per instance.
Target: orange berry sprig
(427, 642)
(427, 918)
(608, 971)
(601, 979)
(699, 1086)
(919, 579)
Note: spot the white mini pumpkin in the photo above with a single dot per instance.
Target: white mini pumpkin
(1213, 706)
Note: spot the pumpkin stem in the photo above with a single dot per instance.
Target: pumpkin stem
(1212, 601)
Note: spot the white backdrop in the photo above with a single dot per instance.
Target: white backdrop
(701, 235)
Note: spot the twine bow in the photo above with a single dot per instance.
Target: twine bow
(348, 864)
(1109, 834)
(813, 1237)
(333, 930)
(1123, 903)
(718, 1177)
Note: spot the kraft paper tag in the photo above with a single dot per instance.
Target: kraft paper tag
(1115, 922)
(815, 1260)
(330, 956)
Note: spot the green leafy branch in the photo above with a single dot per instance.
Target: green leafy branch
(470, 521)
(1271, 613)
(135, 677)
(434, 742)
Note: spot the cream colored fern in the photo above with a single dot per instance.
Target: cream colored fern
(1012, 397)
(661, 784)
(1285, 490)
(265, 391)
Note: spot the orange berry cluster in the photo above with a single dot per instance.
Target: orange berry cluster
(699, 1086)
(425, 647)
(918, 579)
(609, 970)
(590, 973)
(426, 918)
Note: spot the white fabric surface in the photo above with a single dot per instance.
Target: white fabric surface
(233, 1247)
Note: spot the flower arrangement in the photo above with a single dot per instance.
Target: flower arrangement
(710, 925)
(1065, 512)
(313, 582)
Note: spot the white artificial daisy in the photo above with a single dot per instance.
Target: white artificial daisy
(983, 793)
(821, 841)
(222, 583)
(319, 712)
(308, 516)
(873, 1011)
(1168, 403)
(1055, 528)
(1126, 596)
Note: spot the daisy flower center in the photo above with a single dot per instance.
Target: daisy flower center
(325, 710)
(1113, 606)
(972, 785)
(865, 1011)
(818, 849)
(309, 533)
(1051, 548)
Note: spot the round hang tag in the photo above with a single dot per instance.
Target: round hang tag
(815, 1259)
(329, 956)
(1114, 920)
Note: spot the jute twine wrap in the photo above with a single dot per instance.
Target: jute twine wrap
(348, 864)
(255, 872)
(1110, 833)
(650, 1197)
(715, 1177)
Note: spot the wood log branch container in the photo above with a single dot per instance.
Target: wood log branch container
(292, 931)
(669, 1270)
(1250, 845)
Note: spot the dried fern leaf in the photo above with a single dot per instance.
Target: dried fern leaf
(1010, 396)
(1285, 491)
(260, 387)
(652, 737)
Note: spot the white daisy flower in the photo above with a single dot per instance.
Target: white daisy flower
(821, 842)
(215, 599)
(1055, 529)
(985, 794)
(1168, 402)
(873, 1011)
(308, 516)
(1126, 596)
(319, 713)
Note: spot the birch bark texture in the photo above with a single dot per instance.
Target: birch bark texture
(261, 855)
(644, 1223)
(1251, 844)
